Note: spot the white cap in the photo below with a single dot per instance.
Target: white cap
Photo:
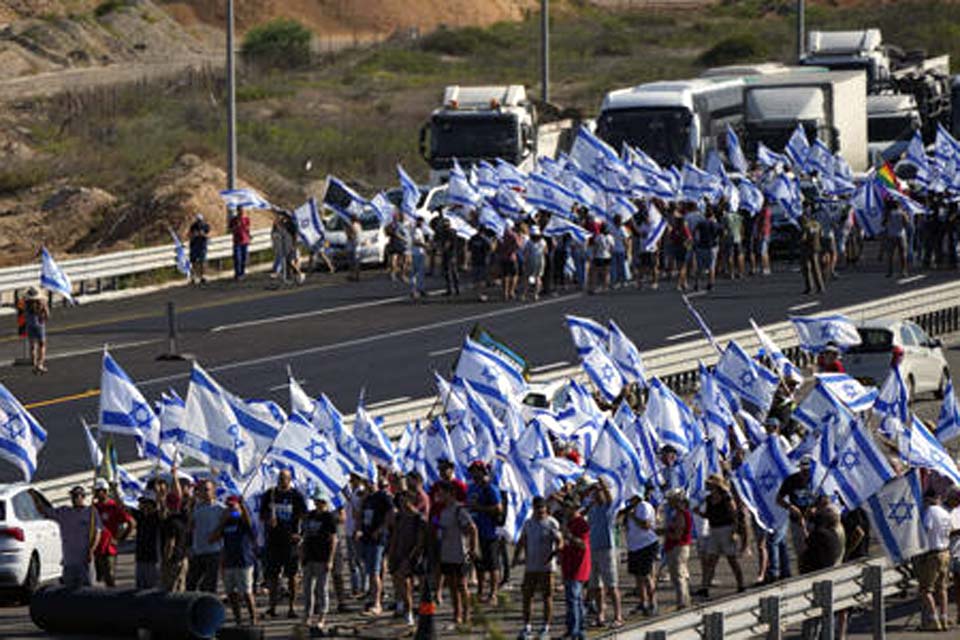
(100, 483)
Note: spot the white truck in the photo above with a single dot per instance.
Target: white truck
(486, 123)
(892, 120)
(831, 106)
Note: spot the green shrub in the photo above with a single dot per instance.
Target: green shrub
(24, 176)
(739, 48)
(460, 42)
(109, 6)
(279, 43)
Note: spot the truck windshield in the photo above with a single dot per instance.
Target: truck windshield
(467, 136)
(890, 128)
(663, 134)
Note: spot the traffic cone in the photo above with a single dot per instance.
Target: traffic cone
(426, 627)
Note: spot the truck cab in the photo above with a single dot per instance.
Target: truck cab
(479, 123)
(861, 50)
(891, 123)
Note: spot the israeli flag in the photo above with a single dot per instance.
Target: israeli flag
(437, 446)
(896, 514)
(328, 420)
(868, 208)
(491, 220)
(734, 152)
(696, 185)
(815, 334)
(342, 200)
(769, 159)
(909, 205)
(408, 448)
(820, 159)
(644, 438)
(614, 459)
(751, 198)
(653, 229)
(382, 207)
(311, 456)
(309, 225)
(924, 450)
(369, 433)
(182, 258)
(781, 363)
(916, 155)
(93, 447)
(758, 481)
(21, 436)
(170, 412)
(53, 278)
(244, 199)
(592, 155)
(591, 340)
(461, 227)
(698, 465)
(491, 375)
(859, 468)
(626, 355)
(713, 404)
(701, 323)
(510, 175)
(459, 189)
(797, 147)
(892, 405)
(519, 499)
(549, 195)
(511, 203)
(558, 226)
(823, 415)
(749, 379)
(849, 391)
(784, 191)
(129, 487)
(649, 179)
(485, 425)
(671, 417)
(124, 410)
(452, 401)
(411, 193)
(948, 424)
(466, 448)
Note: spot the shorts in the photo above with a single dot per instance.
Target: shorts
(763, 246)
(601, 262)
(508, 267)
(640, 562)
(603, 570)
(489, 554)
(931, 569)
(678, 253)
(238, 580)
(479, 274)
(453, 570)
(372, 555)
(720, 542)
(706, 258)
(280, 559)
(537, 581)
(732, 248)
(37, 332)
(828, 243)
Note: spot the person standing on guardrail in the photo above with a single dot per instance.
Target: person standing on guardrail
(199, 238)
(240, 230)
(204, 567)
(932, 567)
(37, 315)
(80, 531)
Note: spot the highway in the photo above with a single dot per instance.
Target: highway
(340, 337)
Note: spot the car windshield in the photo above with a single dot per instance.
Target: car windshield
(395, 197)
(475, 136)
(3, 511)
(663, 134)
(368, 222)
(873, 340)
(438, 200)
(890, 129)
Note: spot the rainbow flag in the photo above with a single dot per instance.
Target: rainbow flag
(888, 178)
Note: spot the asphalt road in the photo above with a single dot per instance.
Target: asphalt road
(340, 337)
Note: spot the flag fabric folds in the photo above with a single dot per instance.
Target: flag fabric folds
(309, 226)
(21, 436)
(896, 514)
(816, 333)
(181, 257)
(53, 278)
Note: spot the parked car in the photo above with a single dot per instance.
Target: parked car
(883, 342)
(541, 397)
(30, 551)
(373, 239)
(431, 200)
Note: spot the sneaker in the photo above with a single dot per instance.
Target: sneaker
(410, 621)
(544, 634)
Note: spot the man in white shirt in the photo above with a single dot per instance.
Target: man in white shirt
(953, 503)
(932, 567)
(643, 551)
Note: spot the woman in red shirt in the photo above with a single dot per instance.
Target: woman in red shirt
(575, 565)
(678, 535)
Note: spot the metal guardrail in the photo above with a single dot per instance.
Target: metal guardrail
(110, 266)
(767, 612)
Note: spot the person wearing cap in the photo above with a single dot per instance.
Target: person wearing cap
(829, 360)
(408, 539)
(37, 314)
(149, 519)
(721, 513)
(540, 541)
(375, 511)
(671, 472)
(643, 551)
(80, 531)
(281, 509)
(238, 556)
(796, 495)
(486, 509)
(604, 555)
(117, 524)
(317, 554)
(574, 565)
(199, 235)
(534, 258)
(677, 539)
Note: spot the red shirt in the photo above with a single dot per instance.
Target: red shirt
(575, 562)
(685, 538)
(573, 456)
(436, 506)
(240, 228)
(113, 517)
(835, 367)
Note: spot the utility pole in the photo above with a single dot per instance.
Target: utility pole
(231, 101)
(800, 29)
(545, 50)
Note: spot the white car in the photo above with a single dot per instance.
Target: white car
(922, 365)
(544, 396)
(373, 239)
(30, 550)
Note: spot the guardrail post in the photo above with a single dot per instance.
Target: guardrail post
(770, 615)
(823, 598)
(655, 635)
(713, 626)
(873, 582)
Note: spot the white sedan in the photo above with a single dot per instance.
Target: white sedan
(373, 239)
(30, 550)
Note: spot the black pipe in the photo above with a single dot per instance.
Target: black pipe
(122, 612)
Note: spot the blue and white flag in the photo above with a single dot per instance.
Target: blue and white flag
(491, 374)
(859, 468)
(815, 334)
(868, 207)
(784, 191)
(714, 407)
(510, 203)
(848, 391)
(626, 355)
(701, 323)
(519, 499)
(826, 418)
(924, 450)
(466, 449)
(382, 207)
(244, 199)
(797, 147)
(697, 185)
(896, 515)
(181, 257)
(734, 152)
(892, 405)
(459, 190)
(93, 447)
(437, 446)
(460, 227)
(328, 420)
(369, 433)
(675, 423)
(592, 340)
(510, 175)
(769, 159)
(752, 381)
(488, 182)
(558, 226)
(550, 195)
(820, 159)
(751, 198)
(452, 400)
(53, 278)
(21, 436)
(342, 200)
(758, 481)
(309, 225)
(170, 412)
(313, 460)
(124, 410)
(948, 424)
(908, 204)
(781, 363)
(916, 155)
(614, 459)
(645, 443)
(698, 465)
(492, 220)
(654, 227)
(592, 155)
(411, 193)
(491, 436)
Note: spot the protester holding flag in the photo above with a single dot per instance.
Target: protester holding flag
(239, 225)
(80, 531)
(725, 537)
(484, 502)
(281, 509)
(796, 495)
(575, 566)
(238, 541)
(117, 525)
(149, 519)
(37, 315)
(199, 237)
(205, 518)
(604, 554)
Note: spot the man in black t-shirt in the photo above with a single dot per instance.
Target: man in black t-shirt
(199, 237)
(319, 528)
(371, 534)
(796, 496)
(281, 509)
(174, 543)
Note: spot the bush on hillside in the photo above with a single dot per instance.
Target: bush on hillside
(460, 42)
(739, 48)
(280, 43)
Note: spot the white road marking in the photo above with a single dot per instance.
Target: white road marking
(387, 403)
(681, 336)
(112, 347)
(805, 305)
(289, 355)
(308, 314)
(911, 279)
(442, 352)
(550, 367)
(696, 294)
(287, 385)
